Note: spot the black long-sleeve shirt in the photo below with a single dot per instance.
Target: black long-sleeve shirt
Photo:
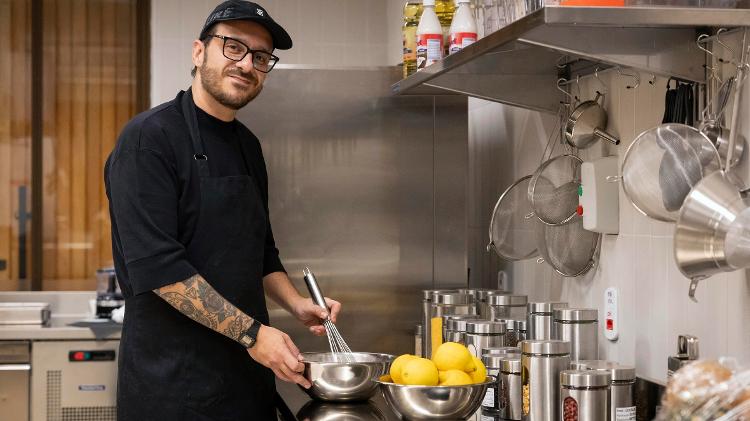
(153, 188)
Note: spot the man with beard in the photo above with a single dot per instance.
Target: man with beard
(192, 241)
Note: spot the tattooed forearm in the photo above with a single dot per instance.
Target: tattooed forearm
(195, 298)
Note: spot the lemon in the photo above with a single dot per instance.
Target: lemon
(442, 375)
(479, 374)
(452, 356)
(397, 365)
(455, 378)
(420, 371)
(386, 378)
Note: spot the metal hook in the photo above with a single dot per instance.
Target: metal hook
(652, 81)
(559, 88)
(635, 77)
(726, 47)
(699, 43)
(604, 87)
(559, 64)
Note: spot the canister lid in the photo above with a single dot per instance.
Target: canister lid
(619, 372)
(479, 293)
(545, 307)
(501, 350)
(516, 325)
(546, 347)
(585, 378)
(510, 364)
(576, 314)
(507, 300)
(427, 294)
(452, 298)
(457, 323)
(485, 327)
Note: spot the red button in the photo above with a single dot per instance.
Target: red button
(79, 356)
(579, 210)
(610, 324)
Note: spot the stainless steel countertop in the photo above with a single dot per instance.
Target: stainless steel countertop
(58, 329)
(375, 409)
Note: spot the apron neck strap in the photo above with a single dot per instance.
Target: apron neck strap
(188, 112)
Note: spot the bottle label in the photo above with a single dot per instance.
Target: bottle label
(410, 44)
(429, 49)
(626, 413)
(489, 398)
(460, 40)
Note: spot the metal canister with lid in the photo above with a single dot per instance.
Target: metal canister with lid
(504, 395)
(454, 327)
(481, 334)
(579, 326)
(540, 319)
(507, 306)
(516, 332)
(622, 388)
(502, 350)
(480, 296)
(584, 395)
(427, 298)
(445, 303)
(541, 364)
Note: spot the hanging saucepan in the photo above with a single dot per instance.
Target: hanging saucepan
(587, 123)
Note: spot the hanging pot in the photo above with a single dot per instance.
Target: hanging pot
(587, 123)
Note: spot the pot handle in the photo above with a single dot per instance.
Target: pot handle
(606, 136)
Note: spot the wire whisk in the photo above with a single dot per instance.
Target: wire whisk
(336, 342)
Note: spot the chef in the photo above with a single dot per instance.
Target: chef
(192, 241)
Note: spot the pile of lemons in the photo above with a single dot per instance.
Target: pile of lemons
(451, 365)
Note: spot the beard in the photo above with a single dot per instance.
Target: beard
(211, 79)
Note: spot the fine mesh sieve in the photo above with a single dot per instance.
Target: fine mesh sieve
(568, 248)
(553, 189)
(512, 224)
(662, 165)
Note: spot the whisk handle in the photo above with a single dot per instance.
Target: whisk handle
(312, 286)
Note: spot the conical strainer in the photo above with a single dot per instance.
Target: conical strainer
(568, 248)
(662, 165)
(512, 224)
(553, 189)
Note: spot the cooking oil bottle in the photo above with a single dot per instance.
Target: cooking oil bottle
(445, 9)
(412, 13)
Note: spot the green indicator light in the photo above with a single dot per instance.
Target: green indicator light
(580, 190)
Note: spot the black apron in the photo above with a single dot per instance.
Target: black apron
(171, 367)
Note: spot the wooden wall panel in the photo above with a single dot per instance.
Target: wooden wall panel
(92, 98)
(49, 117)
(6, 210)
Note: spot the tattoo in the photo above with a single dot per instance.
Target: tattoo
(196, 299)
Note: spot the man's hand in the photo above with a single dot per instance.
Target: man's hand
(312, 315)
(275, 350)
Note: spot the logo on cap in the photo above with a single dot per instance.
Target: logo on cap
(259, 12)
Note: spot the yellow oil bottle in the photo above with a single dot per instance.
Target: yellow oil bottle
(412, 13)
(445, 9)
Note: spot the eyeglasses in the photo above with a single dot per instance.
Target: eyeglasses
(236, 50)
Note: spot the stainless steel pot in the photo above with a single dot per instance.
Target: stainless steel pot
(579, 326)
(587, 124)
(584, 395)
(542, 362)
(540, 319)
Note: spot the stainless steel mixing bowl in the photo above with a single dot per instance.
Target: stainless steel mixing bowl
(434, 402)
(336, 380)
(340, 411)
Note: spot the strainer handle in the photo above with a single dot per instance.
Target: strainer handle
(312, 286)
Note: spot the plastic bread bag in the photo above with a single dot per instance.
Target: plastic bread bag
(707, 390)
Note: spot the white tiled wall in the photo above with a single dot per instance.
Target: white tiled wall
(331, 33)
(654, 305)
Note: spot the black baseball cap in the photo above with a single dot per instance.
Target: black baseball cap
(245, 10)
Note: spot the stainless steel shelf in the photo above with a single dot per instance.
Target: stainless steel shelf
(518, 65)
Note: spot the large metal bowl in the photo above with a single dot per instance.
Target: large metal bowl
(434, 402)
(334, 379)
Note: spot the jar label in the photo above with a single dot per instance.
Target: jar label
(489, 398)
(626, 413)
(486, 418)
(429, 49)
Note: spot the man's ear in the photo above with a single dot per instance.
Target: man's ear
(198, 53)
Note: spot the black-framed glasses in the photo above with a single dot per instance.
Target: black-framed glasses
(236, 50)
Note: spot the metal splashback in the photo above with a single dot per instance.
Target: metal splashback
(369, 191)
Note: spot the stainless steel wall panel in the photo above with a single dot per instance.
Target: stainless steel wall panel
(351, 180)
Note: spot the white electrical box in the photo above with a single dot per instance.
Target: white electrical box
(611, 321)
(599, 196)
